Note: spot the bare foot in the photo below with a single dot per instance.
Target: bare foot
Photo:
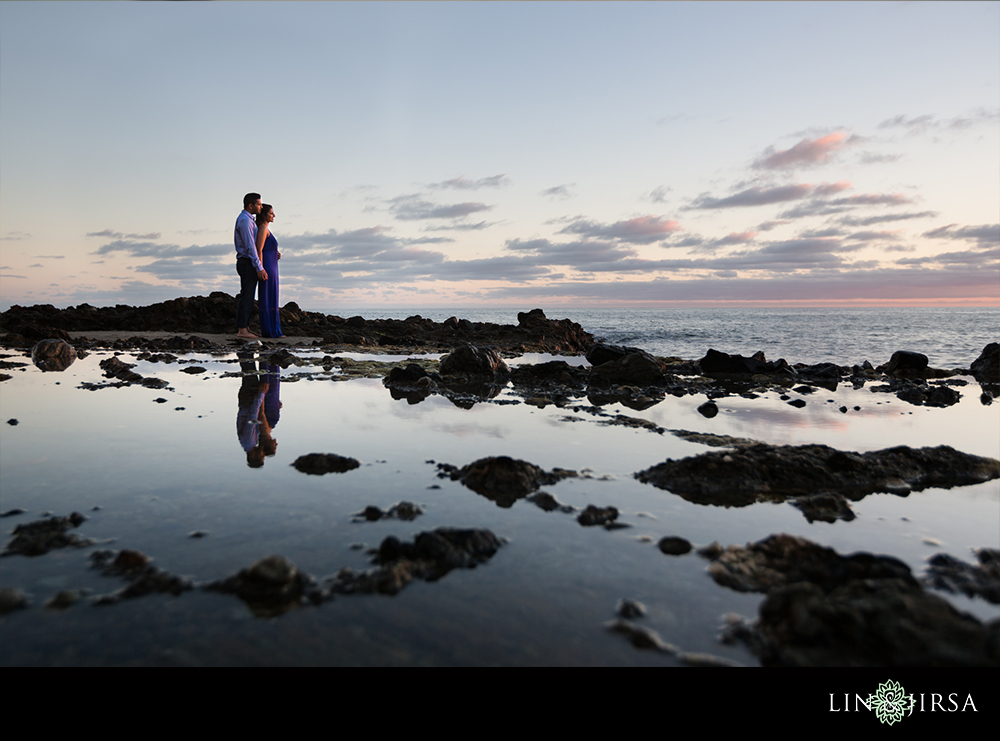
(247, 334)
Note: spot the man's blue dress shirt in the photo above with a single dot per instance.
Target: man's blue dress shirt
(246, 238)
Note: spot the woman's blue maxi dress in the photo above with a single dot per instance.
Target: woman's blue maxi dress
(267, 293)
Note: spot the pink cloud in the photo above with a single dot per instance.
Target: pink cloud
(806, 152)
(828, 189)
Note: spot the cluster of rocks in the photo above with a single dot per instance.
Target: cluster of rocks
(270, 586)
(818, 478)
(214, 314)
(824, 609)
(639, 380)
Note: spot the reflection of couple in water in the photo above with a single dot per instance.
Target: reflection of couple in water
(259, 409)
(257, 264)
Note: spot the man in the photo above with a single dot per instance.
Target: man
(248, 265)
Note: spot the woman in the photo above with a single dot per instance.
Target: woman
(267, 293)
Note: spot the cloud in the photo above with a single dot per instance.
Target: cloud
(479, 225)
(640, 230)
(927, 122)
(15, 236)
(414, 208)
(820, 207)
(149, 249)
(873, 236)
(767, 226)
(807, 153)
(869, 220)
(734, 238)
(986, 235)
(559, 191)
(985, 259)
(460, 183)
(118, 235)
(873, 158)
(755, 196)
(657, 194)
(922, 284)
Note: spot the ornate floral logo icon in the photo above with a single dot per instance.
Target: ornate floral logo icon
(890, 702)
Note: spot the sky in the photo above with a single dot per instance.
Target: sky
(491, 154)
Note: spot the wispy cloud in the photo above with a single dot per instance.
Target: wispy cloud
(461, 183)
(807, 153)
(111, 234)
(414, 208)
(928, 122)
(640, 230)
(559, 191)
(755, 196)
(986, 235)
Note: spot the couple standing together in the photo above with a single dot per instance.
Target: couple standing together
(257, 260)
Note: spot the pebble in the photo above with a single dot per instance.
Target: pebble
(674, 546)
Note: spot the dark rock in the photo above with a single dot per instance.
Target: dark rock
(549, 503)
(825, 507)
(949, 573)
(785, 559)
(12, 422)
(12, 599)
(630, 608)
(534, 316)
(401, 511)
(430, 556)
(798, 403)
(709, 409)
(12, 512)
(502, 479)
(986, 368)
(41, 536)
(636, 369)
(269, 587)
(193, 369)
(597, 516)
(65, 598)
(871, 622)
(320, 463)
(53, 355)
(602, 353)
(905, 362)
(717, 363)
(674, 546)
(476, 361)
(764, 472)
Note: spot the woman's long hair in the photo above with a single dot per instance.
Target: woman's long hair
(265, 209)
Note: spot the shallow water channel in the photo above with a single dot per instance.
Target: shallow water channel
(148, 474)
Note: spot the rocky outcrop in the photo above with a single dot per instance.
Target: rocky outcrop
(474, 361)
(53, 355)
(764, 472)
(216, 312)
(824, 609)
(949, 573)
(318, 464)
(720, 364)
(41, 536)
(986, 368)
(502, 479)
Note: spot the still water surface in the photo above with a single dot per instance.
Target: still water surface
(158, 471)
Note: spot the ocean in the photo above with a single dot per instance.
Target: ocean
(949, 337)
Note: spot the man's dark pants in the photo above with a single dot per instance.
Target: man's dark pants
(248, 287)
